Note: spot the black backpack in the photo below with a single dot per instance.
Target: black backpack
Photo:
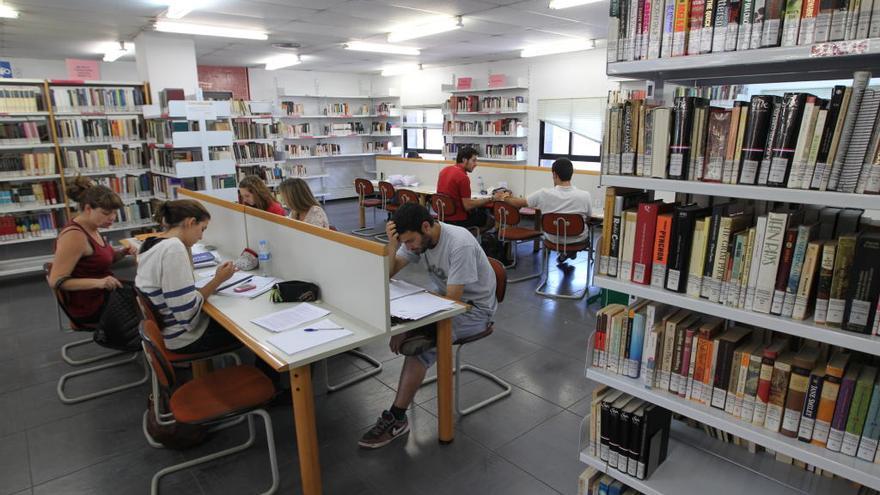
(120, 318)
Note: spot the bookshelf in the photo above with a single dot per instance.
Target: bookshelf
(492, 120)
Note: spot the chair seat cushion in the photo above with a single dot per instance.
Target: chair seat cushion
(473, 338)
(518, 234)
(221, 393)
(569, 248)
(372, 202)
(391, 207)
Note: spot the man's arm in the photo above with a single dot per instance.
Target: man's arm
(516, 202)
(397, 262)
(454, 291)
(470, 204)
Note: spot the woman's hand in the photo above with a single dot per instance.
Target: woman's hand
(108, 283)
(224, 271)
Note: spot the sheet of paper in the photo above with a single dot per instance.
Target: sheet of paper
(420, 305)
(399, 288)
(291, 318)
(263, 285)
(326, 324)
(204, 278)
(299, 340)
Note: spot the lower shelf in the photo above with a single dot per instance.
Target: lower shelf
(22, 266)
(697, 464)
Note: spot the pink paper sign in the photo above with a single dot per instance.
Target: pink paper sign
(497, 80)
(83, 69)
(464, 83)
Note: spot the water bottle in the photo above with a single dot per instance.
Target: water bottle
(265, 257)
(482, 186)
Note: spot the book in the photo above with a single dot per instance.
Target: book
(681, 27)
(719, 211)
(805, 234)
(858, 410)
(834, 372)
(720, 23)
(698, 140)
(704, 365)
(750, 390)
(843, 261)
(730, 288)
(871, 432)
(744, 35)
(798, 387)
(746, 352)
(632, 366)
(734, 17)
(676, 384)
(775, 124)
(755, 265)
(811, 403)
(688, 359)
(695, 26)
(859, 85)
(772, 29)
(662, 241)
(784, 270)
(779, 382)
(804, 142)
(727, 344)
(716, 145)
(728, 227)
(627, 244)
(644, 239)
(761, 108)
(854, 157)
(785, 139)
(842, 407)
(837, 106)
(771, 252)
(680, 136)
(652, 355)
(768, 361)
(668, 28)
(809, 166)
(697, 257)
(654, 443)
(806, 285)
(791, 22)
(683, 233)
(863, 288)
(671, 344)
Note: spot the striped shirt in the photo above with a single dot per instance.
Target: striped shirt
(165, 276)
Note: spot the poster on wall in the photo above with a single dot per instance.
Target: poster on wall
(86, 70)
(5, 69)
(219, 78)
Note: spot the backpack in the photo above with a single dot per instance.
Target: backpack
(118, 326)
(494, 248)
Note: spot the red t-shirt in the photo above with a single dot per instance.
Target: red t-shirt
(455, 183)
(277, 209)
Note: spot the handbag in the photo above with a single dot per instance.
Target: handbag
(118, 326)
(295, 291)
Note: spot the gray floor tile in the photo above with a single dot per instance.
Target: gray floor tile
(11, 417)
(491, 475)
(15, 471)
(551, 375)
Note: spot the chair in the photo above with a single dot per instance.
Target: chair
(388, 195)
(215, 399)
(60, 306)
(507, 219)
(500, 290)
(564, 226)
(407, 196)
(443, 206)
(366, 199)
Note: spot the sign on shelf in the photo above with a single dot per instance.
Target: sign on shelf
(198, 110)
(464, 83)
(87, 70)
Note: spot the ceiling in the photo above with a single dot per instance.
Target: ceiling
(492, 29)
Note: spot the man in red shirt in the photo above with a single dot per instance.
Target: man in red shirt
(455, 183)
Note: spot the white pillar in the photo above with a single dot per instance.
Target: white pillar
(166, 61)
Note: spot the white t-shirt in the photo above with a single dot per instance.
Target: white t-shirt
(563, 199)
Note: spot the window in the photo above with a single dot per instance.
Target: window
(423, 131)
(557, 142)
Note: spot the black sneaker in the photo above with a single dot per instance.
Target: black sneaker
(387, 428)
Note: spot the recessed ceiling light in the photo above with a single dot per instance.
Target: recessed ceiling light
(573, 45)
(396, 70)
(362, 46)
(282, 61)
(8, 12)
(114, 50)
(208, 30)
(420, 30)
(564, 4)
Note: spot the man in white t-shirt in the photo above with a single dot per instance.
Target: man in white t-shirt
(562, 198)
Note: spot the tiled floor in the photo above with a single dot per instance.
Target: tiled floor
(526, 444)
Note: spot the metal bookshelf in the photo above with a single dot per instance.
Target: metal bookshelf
(518, 137)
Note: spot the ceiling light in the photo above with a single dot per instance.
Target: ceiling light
(115, 50)
(179, 8)
(419, 30)
(396, 70)
(282, 61)
(207, 30)
(8, 12)
(564, 4)
(362, 46)
(574, 45)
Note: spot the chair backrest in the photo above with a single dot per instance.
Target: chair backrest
(505, 214)
(147, 308)
(61, 301)
(500, 279)
(386, 190)
(407, 196)
(364, 188)
(443, 205)
(157, 354)
(563, 225)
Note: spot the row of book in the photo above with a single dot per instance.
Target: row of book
(126, 187)
(251, 129)
(166, 187)
(21, 99)
(500, 127)
(254, 152)
(243, 108)
(378, 146)
(97, 99)
(593, 482)
(826, 397)
(723, 92)
(135, 212)
(39, 193)
(344, 109)
(25, 164)
(303, 151)
(383, 127)
(505, 151)
(163, 160)
(797, 141)
(30, 226)
(85, 130)
(271, 176)
(385, 108)
(291, 108)
(488, 104)
(651, 29)
(27, 132)
(789, 262)
(96, 159)
(631, 435)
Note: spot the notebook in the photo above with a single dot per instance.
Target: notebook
(418, 305)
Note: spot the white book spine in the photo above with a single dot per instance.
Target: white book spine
(771, 251)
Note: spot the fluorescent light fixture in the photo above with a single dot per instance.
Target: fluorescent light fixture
(8, 12)
(208, 30)
(564, 4)
(362, 46)
(419, 30)
(115, 50)
(282, 61)
(573, 45)
(396, 70)
(179, 8)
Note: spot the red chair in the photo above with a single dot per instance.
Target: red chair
(407, 196)
(443, 206)
(507, 220)
(500, 291)
(61, 306)
(564, 226)
(366, 199)
(389, 204)
(220, 397)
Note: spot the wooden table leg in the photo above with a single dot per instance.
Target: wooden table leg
(444, 381)
(362, 215)
(306, 435)
(202, 367)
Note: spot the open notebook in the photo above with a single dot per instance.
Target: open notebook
(418, 305)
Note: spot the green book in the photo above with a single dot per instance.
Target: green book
(871, 431)
(858, 410)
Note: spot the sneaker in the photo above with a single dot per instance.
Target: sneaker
(561, 258)
(387, 428)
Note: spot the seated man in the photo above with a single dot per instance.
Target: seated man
(459, 270)
(563, 198)
(455, 183)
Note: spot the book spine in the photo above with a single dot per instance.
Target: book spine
(661, 250)
(721, 23)
(733, 22)
(846, 246)
(753, 376)
(766, 160)
(681, 28)
(794, 403)
(680, 144)
(763, 395)
(735, 366)
(825, 413)
(811, 406)
(807, 282)
(769, 261)
(755, 137)
(841, 413)
(636, 345)
(783, 149)
(864, 284)
(784, 270)
(695, 25)
(754, 269)
(771, 33)
(745, 26)
(668, 29)
(858, 411)
(779, 384)
(643, 251)
(791, 22)
(739, 393)
(797, 264)
(868, 443)
(823, 288)
(668, 352)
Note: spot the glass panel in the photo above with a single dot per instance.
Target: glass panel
(555, 139)
(414, 139)
(581, 145)
(434, 139)
(586, 166)
(434, 116)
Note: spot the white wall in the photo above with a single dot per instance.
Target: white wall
(33, 68)
(264, 84)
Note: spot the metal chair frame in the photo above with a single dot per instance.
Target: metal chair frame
(503, 213)
(363, 192)
(387, 193)
(561, 222)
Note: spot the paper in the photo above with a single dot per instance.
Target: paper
(207, 277)
(399, 288)
(263, 285)
(299, 340)
(291, 318)
(420, 305)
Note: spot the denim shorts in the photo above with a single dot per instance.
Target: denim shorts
(464, 325)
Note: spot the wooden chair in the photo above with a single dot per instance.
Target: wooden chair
(500, 291)
(390, 203)
(507, 219)
(564, 226)
(217, 398)
(61, 306)
(443, 206)
(366, 199)
(407, 196)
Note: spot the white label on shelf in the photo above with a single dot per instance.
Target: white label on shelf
(806, 428)
(778, 166)
(622, 463)
(627, 161)
(737, 406)
(725, 289)
(858, 313)
(664, 380)
(770, 34)
(603, 264)
(639, 273)
(694, 284)
(867, 449)
(776, 304)
(706, 41)
(678, 48)
(658, 275)
(718, 38)
(790, 31)
(625, 270)
(672, 279)
(676, 161)
(733, 293)
(640, 164)
(807, 31)
(612, 458)
(821, 430)
(714, 287)
(198, 110)
(850, 444)
(749, 171)
(674, 382)
(764, 171)
(640, 473)
(836, 307)
(821, 310)
(614, 165)
(648, 377)
(727, 172)
(604, 451)
(799, 311)
(788, 304)
(632, 468)
(743, 37)
(748, 409)
(697, 390)
(719, 396)
(603, 359)
(835, 440)
(873, 184)
(791, 420)
(757, 28)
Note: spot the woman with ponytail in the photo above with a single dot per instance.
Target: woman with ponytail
(83, 257)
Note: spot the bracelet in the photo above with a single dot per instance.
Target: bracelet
(61, 281)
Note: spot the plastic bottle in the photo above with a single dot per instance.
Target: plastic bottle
(482, 186)
(265, 257)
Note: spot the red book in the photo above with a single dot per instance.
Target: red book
(782, 272)
(643, 247)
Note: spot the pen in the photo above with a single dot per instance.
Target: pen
(319, 329)
(233, 284)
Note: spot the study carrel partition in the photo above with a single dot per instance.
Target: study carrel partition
(227, 230)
